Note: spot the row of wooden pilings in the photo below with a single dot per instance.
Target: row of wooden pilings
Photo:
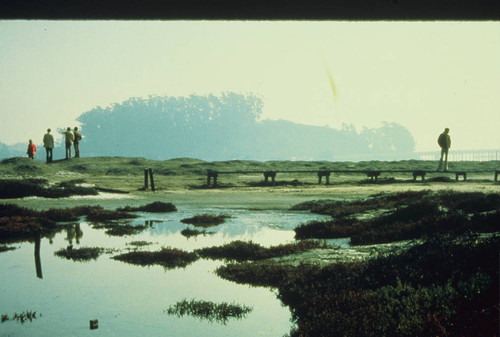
(372, 174)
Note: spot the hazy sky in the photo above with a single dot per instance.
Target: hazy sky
(423, 75)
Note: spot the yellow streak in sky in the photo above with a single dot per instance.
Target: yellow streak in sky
(332, 83)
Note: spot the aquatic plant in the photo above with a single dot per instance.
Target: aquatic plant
(205, 220)
(20, 318)
(166, 257)
(445, 286)
(188, 232)
(154, 207)
(218, 312)
(244, 251)
(99, 214)
(81, 254)
(139, 243)
(117, 229)
(4, 248)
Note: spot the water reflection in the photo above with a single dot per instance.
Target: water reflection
(38, 261)
(117, 293)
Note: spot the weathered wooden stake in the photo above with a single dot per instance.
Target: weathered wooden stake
(152, 181)
(145, 179)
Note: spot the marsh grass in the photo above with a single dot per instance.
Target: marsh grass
(210, 311)
(4, 248)
(154, 207)
(15, 188)
(245, 251)
(206, 220)
(167, 257)
(19, 228)
(405, 216)
(188, 232)
(445, 286)
(119, 229)
(82, 254)
(20, 318)
(139, 243)
(100, 214)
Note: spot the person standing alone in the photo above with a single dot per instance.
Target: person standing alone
(444, 141)
(68, 139)
(48, 143)
(76, 142)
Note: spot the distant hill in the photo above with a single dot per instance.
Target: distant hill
(226, 127)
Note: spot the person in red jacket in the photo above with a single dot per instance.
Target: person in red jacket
(31, 149)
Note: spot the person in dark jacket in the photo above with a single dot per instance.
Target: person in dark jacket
(69, 137)
(48, 144)
(76, 142)
(444, 141)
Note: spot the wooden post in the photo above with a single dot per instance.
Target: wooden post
(212, 174)
(152, 181)
(145, 179)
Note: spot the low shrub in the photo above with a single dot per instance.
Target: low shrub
(166, 257)
(205, 220)
(117, 229)
(154, 207)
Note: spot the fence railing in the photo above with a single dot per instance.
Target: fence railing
(461, 155)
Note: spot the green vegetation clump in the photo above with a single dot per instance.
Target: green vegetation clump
(166, 257)
(4, 248)
(244, 251)
(117, 229)
(20, 318)
(154, 207)
(139, 243)
(405, 216)
(445, 286)
(205, 220)
(218, 312)
(13, 188)
(188, 232)
(13, 228)
(100, 214)
(82, 254)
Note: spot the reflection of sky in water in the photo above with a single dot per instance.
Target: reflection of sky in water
(130, 300)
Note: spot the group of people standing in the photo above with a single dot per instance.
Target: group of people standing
(70, 138)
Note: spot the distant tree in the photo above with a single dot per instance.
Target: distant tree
(222, 128)
(389, 138)
(163, 127)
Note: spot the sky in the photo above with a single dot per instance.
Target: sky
(423, 75)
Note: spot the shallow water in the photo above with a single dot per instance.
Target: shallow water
(131, 300)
